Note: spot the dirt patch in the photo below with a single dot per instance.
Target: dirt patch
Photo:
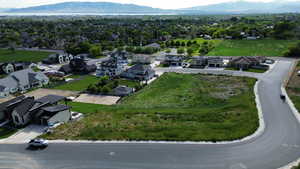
(44, 92)
(97, 99)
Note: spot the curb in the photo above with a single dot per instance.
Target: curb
(257, 133)
(294, 110)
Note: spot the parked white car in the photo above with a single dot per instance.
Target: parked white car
(76, 116)
(38, 143)
(54, 125)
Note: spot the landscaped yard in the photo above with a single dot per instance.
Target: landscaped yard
(293, 87)
(21, 55)
(174, 107)
(80, 84)
(251, 48)
(248, 70)
(4, 132)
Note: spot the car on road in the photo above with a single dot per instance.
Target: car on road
(38, 143)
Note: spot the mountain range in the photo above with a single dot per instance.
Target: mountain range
(236, 7)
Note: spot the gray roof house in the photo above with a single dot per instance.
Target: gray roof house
(173, 60)
(45, 111)
(21, 81)
(122, 91)
(139, 72)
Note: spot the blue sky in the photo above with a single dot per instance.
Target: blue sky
(165, 4)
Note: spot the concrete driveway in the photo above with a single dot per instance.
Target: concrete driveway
(25, 135)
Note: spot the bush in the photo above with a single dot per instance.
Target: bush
(180, 50)
(294, 51)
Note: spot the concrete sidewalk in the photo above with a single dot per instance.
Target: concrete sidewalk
(25, 135)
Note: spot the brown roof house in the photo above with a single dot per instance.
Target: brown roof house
(246, 62)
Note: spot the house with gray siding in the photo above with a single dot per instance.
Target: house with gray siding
(21, 81)
(23, 110)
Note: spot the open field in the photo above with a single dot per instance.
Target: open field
(20, 55)
(251, 48)
(174, 107)
(79, 84)
(293, 87)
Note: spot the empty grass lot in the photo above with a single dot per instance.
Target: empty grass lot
(175, 107)
(21, 55)
(251, 48)
(80, 84)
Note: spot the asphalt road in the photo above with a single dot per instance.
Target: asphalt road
(277, 146)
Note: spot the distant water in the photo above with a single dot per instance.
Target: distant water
(80, 14)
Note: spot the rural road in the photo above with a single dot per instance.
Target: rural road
(276, 147)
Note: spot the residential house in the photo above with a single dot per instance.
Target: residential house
(139, 72)
(215, 62)
(78, 65)
(21, 115)
(120, 56)
(142, 59)
(21, 81)
(46, 110)
(110, 67)
(246, 62)
(123, 91)
(6, 68)
(7, 107)
(199, 62)
(54, 114)
(154, 45)
(58, 58)
(173, 60)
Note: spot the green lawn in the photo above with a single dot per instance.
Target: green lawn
(4, 133)
(251, 48)
(175, 107)
(249, 70)
(79, 84)
(19, 55)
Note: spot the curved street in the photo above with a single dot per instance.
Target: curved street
(278, 145)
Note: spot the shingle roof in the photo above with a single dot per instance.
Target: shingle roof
(24, 107)
(56, 108)
(4, 105)
(51, 99)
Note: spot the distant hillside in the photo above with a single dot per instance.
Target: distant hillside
(88, 7)
(249, 7)
(118, 8)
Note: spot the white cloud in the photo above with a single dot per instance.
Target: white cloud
(166, 4)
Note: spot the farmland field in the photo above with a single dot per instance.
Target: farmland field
(175, 107)
(251, 48)
(20, 55)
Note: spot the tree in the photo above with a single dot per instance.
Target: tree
(180, 50)
(95, 51)
(190, 51)
(294, 51)
(168, 51)
(11, 40)
(283, 30)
